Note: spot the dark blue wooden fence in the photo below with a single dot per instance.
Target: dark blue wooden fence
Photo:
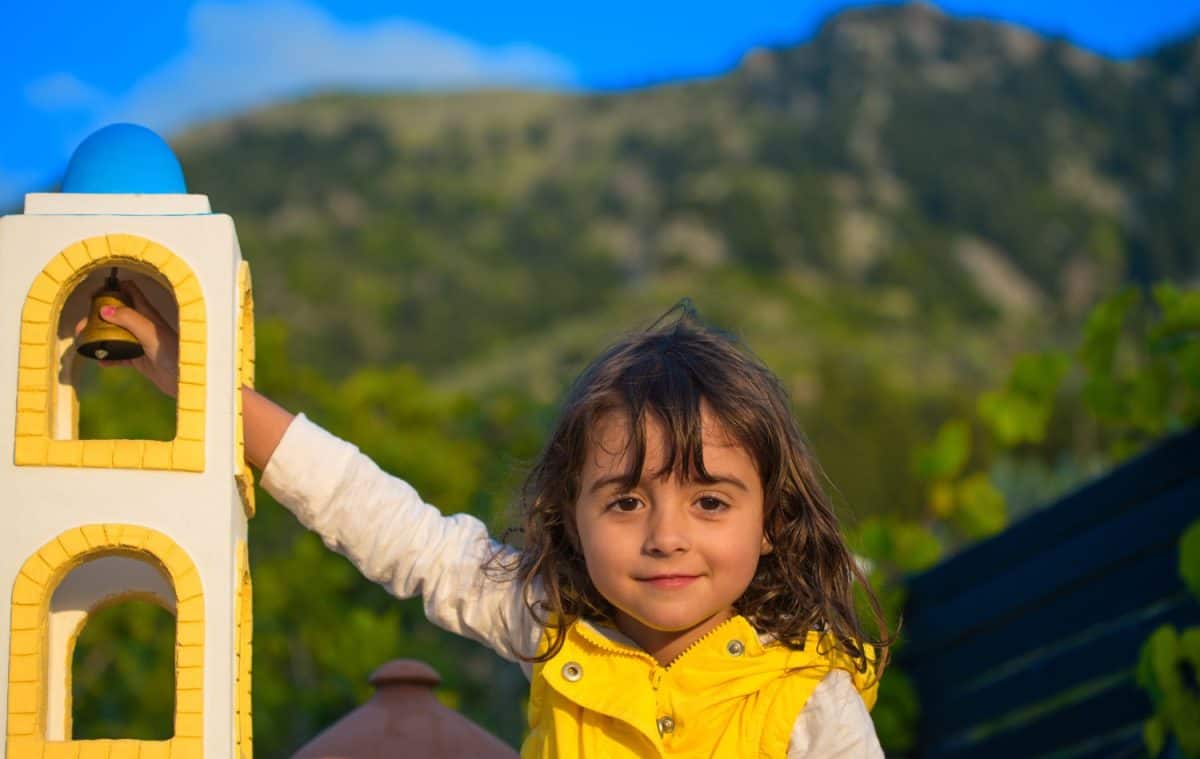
(1025, 645)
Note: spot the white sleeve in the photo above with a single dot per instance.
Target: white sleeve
(834, 723)
(395, 539)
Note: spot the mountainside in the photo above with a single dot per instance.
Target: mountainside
(943, 168)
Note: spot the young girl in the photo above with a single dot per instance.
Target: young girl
(683, 589)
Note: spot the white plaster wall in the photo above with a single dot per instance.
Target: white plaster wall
(202, 512)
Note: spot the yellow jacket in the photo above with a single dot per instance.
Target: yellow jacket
(728, 695)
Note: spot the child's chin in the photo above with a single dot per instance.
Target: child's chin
(677, 624)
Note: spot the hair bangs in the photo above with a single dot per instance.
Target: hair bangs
(663, 388)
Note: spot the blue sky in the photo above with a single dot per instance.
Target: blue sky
(73, 65)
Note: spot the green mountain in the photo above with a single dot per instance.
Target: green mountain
(953, 168)
(886, 213)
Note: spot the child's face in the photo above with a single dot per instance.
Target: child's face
(671, 555)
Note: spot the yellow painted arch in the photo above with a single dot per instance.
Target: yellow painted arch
(245, 368)
(34, 445)
(244, 623)
(27, 658)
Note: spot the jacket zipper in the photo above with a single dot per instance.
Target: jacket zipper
(604, 643)
(697, 642)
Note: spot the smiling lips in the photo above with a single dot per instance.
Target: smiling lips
(667, 582)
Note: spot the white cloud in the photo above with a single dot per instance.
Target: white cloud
(240, 56)
(64, 92)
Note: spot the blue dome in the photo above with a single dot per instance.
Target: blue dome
(124, 158)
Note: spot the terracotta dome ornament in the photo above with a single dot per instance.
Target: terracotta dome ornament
(404, 719)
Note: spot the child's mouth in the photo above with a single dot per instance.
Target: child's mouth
(669, 581)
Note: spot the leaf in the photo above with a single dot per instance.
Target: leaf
(945, 457)
(910, 546)
(1149, 396)
(895, 713)
(982, 510)
(875, 540)
(1154, 735)
(1106, 398)
(1011, 418)
(917, 548)
(1167, 669)
(1037, 376)
(1180, 309)
(1189, 558)
(1020, 411)
(1103, 329)
(942, 500)
(1003, 417)
(1159, 645)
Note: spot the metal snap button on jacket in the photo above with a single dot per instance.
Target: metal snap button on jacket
(572, 672)
(735, 648)
(665, 725)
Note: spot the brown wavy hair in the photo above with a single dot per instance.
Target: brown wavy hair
(805, 583)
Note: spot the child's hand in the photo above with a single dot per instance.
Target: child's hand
(160, 362)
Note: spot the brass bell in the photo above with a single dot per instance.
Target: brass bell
(103, 340)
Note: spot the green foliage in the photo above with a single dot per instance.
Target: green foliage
(946, 456)
(907, 546)
(1020, 411)
(896, 711)
(1167, 670)
(1143, 364)
(969, 503)
(1136, 377)
(981, 511)
(146, 414)
(123, 674)
(1169, 666)
(1189, 558)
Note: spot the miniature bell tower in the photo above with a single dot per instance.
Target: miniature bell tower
(88, 523)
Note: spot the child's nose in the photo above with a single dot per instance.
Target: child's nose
(666, 532)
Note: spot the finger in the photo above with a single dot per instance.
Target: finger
(141, 302)
(79, 325)
(138, 325)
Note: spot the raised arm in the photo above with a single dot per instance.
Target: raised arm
(376, 520)
(383, 526)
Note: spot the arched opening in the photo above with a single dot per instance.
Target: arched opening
(112, 655)
(68, 582)
(48, 423)
(114, 403)
(123, 674)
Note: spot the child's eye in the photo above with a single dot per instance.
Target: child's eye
(624, 503)
(711, 504)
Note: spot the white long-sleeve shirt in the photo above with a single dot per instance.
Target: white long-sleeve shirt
(383, 526)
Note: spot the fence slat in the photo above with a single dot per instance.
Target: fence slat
(1173, 460)
(1152, 526)
(1118, 707)
(1115, 649)
(1127, 589)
